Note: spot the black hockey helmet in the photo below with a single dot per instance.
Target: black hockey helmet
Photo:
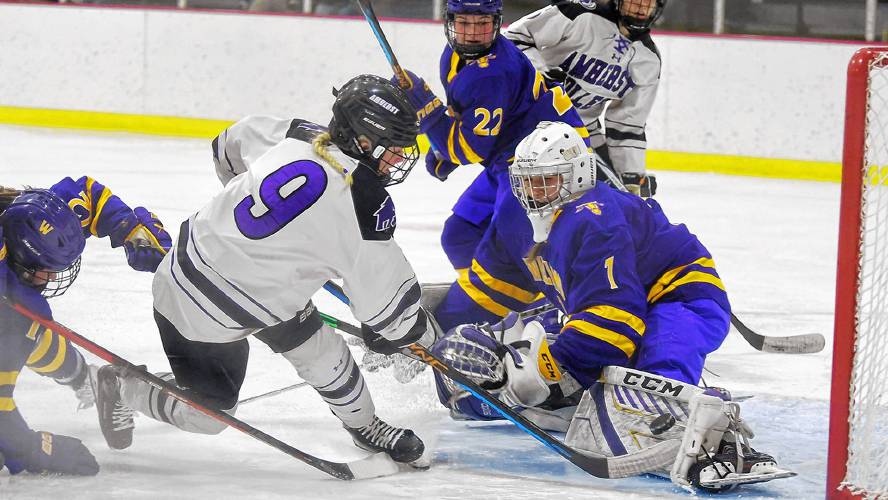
(628, 13)
(371, 108)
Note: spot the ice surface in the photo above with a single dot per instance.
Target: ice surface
(774, 242)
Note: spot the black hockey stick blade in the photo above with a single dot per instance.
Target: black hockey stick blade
(367, 9)
(375, 465)
(796, 344)
(657, 457)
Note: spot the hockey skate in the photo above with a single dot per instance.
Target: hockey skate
(729, 460)
(85, 391)
(402, 445)
(734, 465)
(115, 418)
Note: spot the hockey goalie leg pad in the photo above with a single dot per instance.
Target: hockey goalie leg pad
(326, 363)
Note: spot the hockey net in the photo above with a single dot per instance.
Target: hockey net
(858, 443)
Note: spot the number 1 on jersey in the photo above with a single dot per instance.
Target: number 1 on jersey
(609, 265)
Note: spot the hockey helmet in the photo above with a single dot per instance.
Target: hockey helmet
(372, 108)
(471, 49)
(631, 15)
(552, 166)
(44, 240)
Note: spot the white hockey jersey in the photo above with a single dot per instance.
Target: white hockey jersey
(285, 223)
(609, 77)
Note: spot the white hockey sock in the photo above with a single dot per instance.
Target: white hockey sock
(150, 401)
(325, 362)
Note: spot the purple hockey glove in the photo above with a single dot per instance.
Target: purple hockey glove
(472, 351)
(429, 108)
(147, 242)
(439, 168)
(57, 454)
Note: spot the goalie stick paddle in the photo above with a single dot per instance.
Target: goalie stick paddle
(796, 344)
(367, 9)
(375, 465)
(660, 456)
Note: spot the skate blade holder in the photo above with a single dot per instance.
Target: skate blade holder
(733, 478)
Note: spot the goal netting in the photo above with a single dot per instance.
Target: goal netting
(858, 446)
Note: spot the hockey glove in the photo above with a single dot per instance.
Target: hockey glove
(555, 76)
(406, 367)
(439, 168)
(644, 185)
(147, 242)
(59, 454)
(508, 369)
(429, 109)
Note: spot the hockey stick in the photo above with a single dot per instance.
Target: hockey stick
(275, 392)
(271, 393)
(375, 465)
(796, 344)
(367, 9)
(660, 456)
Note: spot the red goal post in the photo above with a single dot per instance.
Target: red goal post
(857, 464)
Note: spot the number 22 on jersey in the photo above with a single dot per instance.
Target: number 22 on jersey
(283, 195)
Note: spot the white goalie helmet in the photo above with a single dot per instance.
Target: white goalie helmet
(552, 166)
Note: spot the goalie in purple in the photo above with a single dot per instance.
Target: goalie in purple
(635, 289)
(42, 236)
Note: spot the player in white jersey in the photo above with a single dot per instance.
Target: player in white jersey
(300, 206)
(609, 66)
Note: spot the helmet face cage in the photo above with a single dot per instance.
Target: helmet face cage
(639, 25)
(49, 283)
(492, 8)
(541, 190)
(398, 161)
(372, 109)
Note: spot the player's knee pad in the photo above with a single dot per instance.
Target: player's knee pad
(326, 363)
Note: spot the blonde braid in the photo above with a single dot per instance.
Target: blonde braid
(7, 195)
(320, 148)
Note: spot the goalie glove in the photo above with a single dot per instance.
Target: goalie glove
(505, 359)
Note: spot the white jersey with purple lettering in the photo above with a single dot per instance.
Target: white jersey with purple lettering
(610, 78)
(285, 223)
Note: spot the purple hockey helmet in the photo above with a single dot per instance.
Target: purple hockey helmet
(44, 240)
(472, 49)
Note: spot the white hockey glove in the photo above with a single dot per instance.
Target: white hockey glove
(381, 353)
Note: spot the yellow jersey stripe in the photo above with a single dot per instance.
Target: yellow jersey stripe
(470, 153)
(668, 276)
(505, 288)
(613, 338)
(57, 361)
(450, 142)
(481, 298)
(7, 404)
(106, 193)
(454, 64)
(691, 277)
(3, 252)
(32, 332)
(620, 316)
(584, 133)
(42, 347)
(8, 378)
